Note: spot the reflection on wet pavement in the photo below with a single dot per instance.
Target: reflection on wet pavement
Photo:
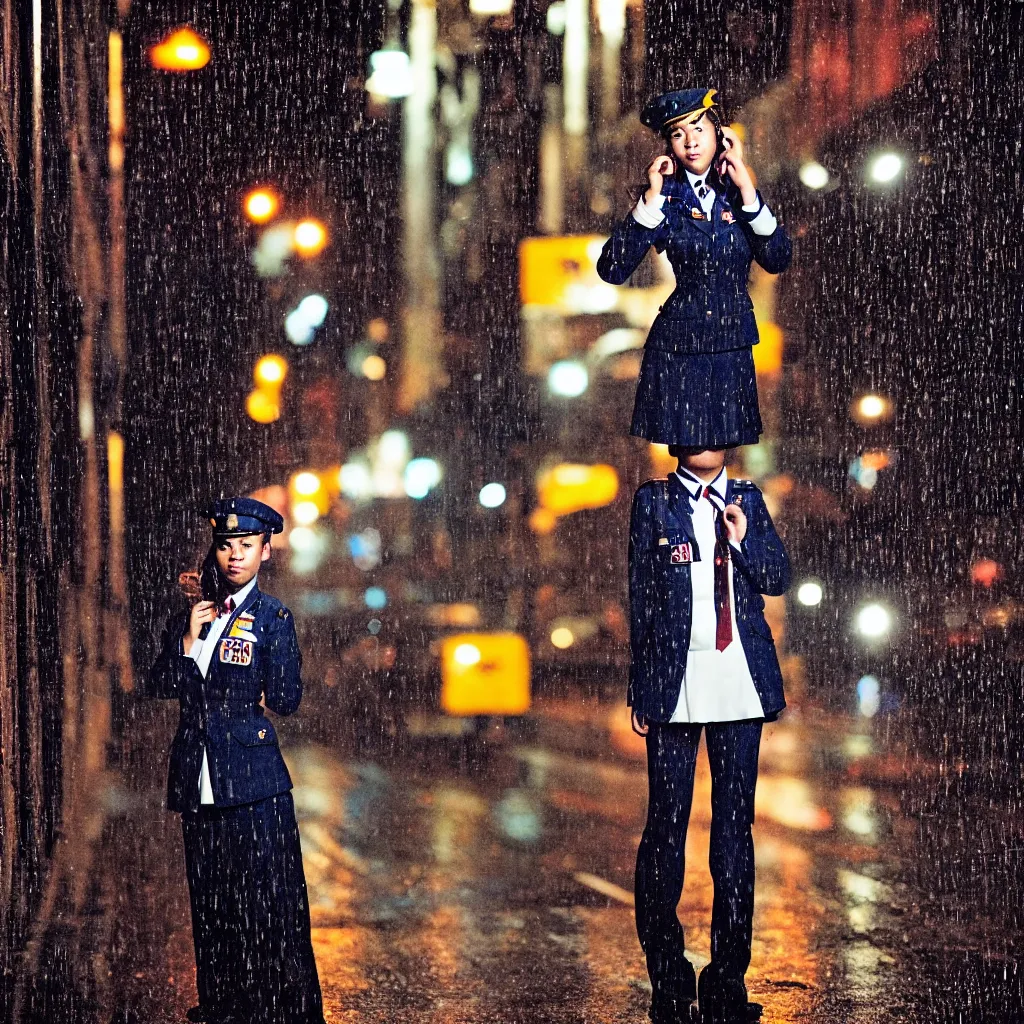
(497, 886)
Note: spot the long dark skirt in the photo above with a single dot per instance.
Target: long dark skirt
(705, 401)
(250, 913)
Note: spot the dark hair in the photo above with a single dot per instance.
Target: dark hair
(679, 451)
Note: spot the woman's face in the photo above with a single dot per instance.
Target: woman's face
(694, 145)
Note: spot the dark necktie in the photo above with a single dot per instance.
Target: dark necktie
(229, 606)
(702, 191)
(723, 609)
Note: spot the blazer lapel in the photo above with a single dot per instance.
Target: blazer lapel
(717, 224)
(679, 507)
(681, 195)
(250, 600)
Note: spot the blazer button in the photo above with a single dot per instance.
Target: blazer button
(709, 312)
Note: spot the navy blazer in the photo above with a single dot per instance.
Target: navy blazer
(257, 656)
(661, 596)
(710, 309)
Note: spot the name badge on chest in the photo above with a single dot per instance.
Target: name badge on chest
(236, 651)
(680, 554)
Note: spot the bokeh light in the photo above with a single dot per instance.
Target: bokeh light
(182, 50)
(355, 480)
(263, 406)
(986, 571)
(373, 367)
(306, 483)
(260, 205)
(421, 476)
(562, 638)
(873, 621)
(305, 512)
(813, 175)
(885, 167)
(310, 237)
(568, 378)
(869, 693)
(390, 74)
(271, 371)
(492, 495)
(301, 323)
(467, 654)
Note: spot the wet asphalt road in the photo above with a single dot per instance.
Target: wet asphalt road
(455, 883)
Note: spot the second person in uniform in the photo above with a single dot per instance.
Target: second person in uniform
(224, 660)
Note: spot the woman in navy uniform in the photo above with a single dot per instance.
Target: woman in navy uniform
(702, 551)
(225, 661)
(697, 385)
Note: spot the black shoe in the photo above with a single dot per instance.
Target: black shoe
(723, 1000)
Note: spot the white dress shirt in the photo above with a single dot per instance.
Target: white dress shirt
(202, 654)
(650, 215)
(717, 686)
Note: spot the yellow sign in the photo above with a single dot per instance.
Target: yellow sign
(570, 487)
(561, 272)
(768, 354)
(485, 674)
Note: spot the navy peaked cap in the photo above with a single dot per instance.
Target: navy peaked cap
(687, 105)
(238, 517)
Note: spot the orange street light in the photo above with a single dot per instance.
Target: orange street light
(182, 50)
(261, 204)
(262, 406)
(310, 236)
(271, 371)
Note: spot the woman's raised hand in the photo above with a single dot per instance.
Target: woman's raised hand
(202, 613)
(660, 167)
(733, 143)
(731, 165)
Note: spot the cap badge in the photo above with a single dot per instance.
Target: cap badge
(231, 522)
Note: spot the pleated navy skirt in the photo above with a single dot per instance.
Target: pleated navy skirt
(250, 913)
(704, 401)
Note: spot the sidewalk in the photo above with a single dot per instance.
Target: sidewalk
(502, 893)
